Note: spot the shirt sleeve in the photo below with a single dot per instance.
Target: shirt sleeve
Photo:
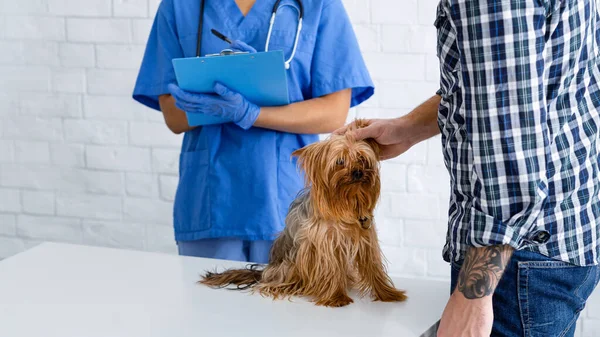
(337, 60)
(156, 71)
(501, 45)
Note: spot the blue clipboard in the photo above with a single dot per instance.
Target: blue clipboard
(260, 77)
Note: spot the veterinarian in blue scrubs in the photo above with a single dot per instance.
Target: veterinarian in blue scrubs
(237, 179)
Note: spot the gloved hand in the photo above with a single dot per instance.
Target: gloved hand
(238, 45)
(226, 104)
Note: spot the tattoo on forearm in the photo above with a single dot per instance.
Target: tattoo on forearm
(482, 270)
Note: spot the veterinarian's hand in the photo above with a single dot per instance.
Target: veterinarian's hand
(226, 104)
(393, 135)
(238, 45)
(467, 317)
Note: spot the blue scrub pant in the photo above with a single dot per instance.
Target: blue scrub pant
(227, 249)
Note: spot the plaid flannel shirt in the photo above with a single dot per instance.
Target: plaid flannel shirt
(520, 125)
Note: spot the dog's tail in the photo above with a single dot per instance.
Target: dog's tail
(241, 278)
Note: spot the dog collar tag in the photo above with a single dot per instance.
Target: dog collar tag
(365, 222)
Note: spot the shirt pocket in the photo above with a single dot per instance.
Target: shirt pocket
(283, 35)
(448, 53)
(284, 40)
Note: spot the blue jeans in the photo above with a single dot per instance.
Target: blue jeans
(538, 296)
(227, 249)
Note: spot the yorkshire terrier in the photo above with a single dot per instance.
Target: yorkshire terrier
(329, 244)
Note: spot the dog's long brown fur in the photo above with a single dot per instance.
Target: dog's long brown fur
(329, 244)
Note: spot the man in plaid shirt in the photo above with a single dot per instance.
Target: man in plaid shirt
(518, 111)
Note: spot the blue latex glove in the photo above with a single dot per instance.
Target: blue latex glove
(226, 104)
(238, 45)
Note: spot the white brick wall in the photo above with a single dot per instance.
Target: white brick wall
(81, 162)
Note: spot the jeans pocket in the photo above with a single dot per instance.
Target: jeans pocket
(551, 295)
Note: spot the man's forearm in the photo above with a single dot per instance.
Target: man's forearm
(482, 269)
(424, 119)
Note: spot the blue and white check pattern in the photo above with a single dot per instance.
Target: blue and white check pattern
(520, 125)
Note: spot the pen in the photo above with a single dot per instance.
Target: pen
(220, 36)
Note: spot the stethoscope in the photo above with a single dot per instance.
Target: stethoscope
(276, 7)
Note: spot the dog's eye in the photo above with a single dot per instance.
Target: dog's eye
(340, 162)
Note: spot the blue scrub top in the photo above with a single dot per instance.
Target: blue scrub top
(237, 183)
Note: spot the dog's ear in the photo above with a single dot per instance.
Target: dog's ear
(306, 151)
(309, 158)
(375, 146)
(303, 155)
(360, 123)
(298, 153)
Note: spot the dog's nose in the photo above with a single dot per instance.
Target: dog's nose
(357, 174)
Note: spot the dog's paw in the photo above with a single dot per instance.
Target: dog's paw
(340, 300)
(390, 295)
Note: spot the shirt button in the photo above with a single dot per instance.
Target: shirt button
(542, 237)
